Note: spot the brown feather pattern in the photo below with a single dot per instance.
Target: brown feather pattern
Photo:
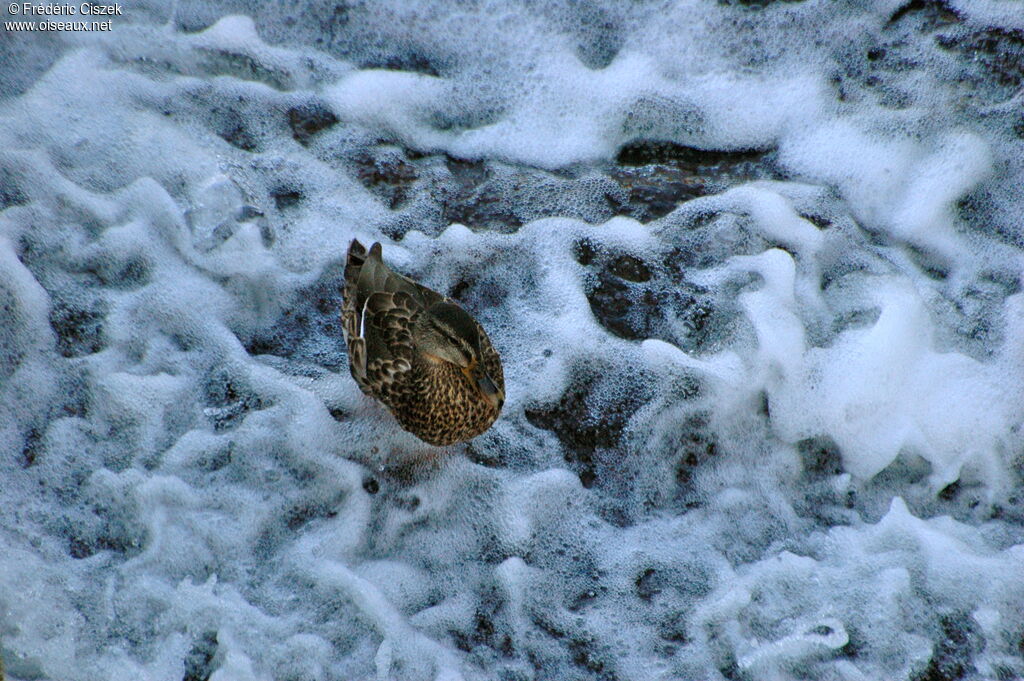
(433, 399)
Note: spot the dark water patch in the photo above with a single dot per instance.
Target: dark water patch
(411, 61)
(590, 416)
(199, 663)
(636, 300)
(224, 62)
(228, 400)
(309, 329)
(79, 327)
(821, 457)
(285, 197)
(952, 655)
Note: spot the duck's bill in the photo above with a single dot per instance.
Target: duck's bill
(487, 386)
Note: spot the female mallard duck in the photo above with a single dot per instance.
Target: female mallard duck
(418, 352)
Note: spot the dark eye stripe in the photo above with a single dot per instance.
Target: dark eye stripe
(440, 329)
(456, 341)
(448, 335)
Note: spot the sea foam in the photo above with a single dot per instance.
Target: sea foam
(753, 269)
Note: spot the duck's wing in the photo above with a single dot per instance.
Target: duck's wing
(351, 307)
(375, 276)
(379, 309)
(491, 358)
(388, 320)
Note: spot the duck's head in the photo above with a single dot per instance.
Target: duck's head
(446, 333)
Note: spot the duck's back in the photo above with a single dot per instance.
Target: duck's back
(430, 400)
(379, 309)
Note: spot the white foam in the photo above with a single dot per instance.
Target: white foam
(809, 470)
(881, 391)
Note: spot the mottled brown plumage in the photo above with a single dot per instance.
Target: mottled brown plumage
(419, 353)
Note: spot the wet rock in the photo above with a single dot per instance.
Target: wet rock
(80, 548)
(950, 491)
(232, 129)
(302, 513)
(991, 59)
(474, 200)
(629, 268)
(695, 445)
(655, 191)
(628, 311)
(655, 152)
(306, 120)
(388, 173)
(431, 192)
(658, 175)
(585, 655)
(125, 272)
(999, 51)
(109, 526)
(31, 448)
(926, 14)
(647, 180)
(649, 583)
